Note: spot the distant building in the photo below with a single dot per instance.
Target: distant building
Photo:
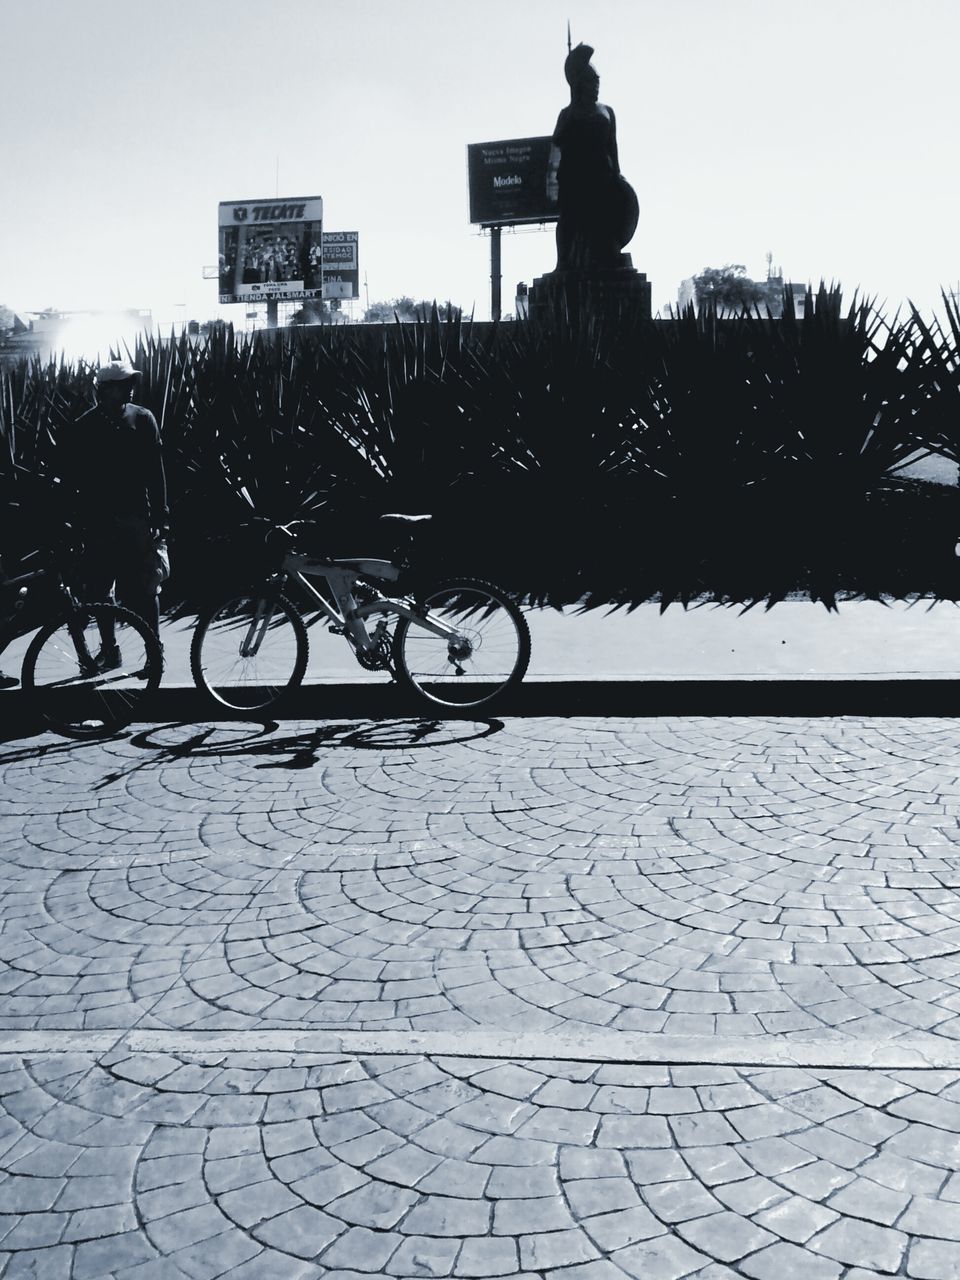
(687, 294)
(51, 324)
(774, 287)
(772, 301)
(76, 333)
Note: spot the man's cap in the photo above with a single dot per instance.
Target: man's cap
(116, 371)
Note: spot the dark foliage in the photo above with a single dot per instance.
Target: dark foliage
(608, 460)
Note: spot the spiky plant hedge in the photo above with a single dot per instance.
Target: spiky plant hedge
(623, 460)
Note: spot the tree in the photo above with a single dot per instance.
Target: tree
(385, 312)
(728, 287)
(313, 311)
(405, 309)
(7, 318)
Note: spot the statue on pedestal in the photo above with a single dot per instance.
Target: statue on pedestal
(597, 210)
(597, 206)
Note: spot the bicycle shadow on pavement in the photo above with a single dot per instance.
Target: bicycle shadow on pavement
(21, 734)
(303, 748)
(185, 739)
(240, 739)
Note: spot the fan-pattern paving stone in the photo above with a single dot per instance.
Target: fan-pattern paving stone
(697, 877)
(410, 1174)
(756, 881)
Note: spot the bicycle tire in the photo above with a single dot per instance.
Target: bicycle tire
(422, 668)
(245, 684)
(93, 704)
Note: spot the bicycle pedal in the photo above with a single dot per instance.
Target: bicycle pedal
(336, 631)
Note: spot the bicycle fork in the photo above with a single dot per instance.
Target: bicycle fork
(251, 642)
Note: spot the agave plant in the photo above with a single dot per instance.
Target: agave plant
(766, 437)
(571, 457)
(938, 366)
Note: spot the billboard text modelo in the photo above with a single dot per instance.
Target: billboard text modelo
(508, 182)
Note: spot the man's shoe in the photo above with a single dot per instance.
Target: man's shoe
(109, 659)
(147, 669)
(88, 666)
(8, 682)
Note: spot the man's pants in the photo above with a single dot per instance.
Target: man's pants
(120, 562)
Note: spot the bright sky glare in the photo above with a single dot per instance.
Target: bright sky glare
(821, 130)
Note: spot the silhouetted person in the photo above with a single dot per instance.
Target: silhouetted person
(114, 494)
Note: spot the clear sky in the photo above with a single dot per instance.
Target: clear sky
(821, 130)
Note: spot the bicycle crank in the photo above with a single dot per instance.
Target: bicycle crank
(380, 656)
(377, 659)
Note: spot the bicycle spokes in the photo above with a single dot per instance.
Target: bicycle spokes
(88, 674)
(248, 651)
(470, 645)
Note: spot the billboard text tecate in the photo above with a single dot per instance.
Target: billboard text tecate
(271, 250)
(508, 182)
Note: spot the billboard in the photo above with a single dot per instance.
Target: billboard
(508, 182)
(271, 250)
(341, 268)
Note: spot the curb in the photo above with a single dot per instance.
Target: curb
(362, 700)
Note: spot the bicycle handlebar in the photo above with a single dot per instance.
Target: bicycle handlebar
(280, 538)
(282, 535)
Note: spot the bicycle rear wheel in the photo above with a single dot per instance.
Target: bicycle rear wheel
(485, 660)
(239, 662)
(74, 693)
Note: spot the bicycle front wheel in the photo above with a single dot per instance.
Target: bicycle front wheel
(88, 675)
(483, 653)
(249, 652)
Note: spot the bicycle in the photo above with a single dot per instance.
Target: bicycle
(72, 690)
(462, 644)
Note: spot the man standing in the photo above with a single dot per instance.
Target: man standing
(115, 494)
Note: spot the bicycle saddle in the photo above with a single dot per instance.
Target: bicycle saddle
(396, 515)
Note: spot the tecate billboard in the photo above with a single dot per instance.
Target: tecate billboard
(271, 250)
(508, 182)
(341, 267)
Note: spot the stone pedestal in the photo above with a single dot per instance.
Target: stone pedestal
(604, 292)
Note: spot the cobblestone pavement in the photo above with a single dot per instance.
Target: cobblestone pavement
(559, 998)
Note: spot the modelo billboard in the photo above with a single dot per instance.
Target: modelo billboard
(341, 268)
(508, 182)
(271, 250)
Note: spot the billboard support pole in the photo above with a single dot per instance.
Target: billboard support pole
(272, 308)
(495, 273)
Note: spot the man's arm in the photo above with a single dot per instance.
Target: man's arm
(63, 468)
(155, 476)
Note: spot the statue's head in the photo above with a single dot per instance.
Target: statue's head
(581, 76)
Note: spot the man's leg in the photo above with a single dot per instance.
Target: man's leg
(6, 682)
(137, 580)
(99, 576)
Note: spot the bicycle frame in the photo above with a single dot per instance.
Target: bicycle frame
(349, 617)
